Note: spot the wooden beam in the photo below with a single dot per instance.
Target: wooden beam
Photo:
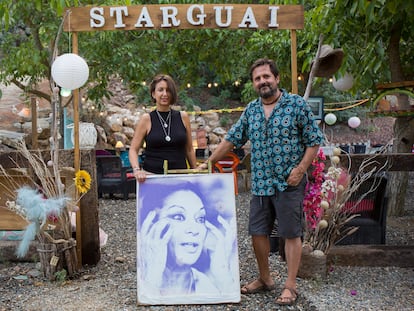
(394, 85)
(391, 161)
(372, 255)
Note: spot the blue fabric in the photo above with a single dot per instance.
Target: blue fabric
(125, 159)
(277, 144)
(10, 235)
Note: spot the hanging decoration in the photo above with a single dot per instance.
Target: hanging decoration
(354, 122)
(344, 83)
(351, 104)
(64, 92)
(330, 119)
(70, 71)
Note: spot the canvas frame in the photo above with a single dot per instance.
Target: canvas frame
(217, 195)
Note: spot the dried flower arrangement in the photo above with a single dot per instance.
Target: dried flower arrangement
(325, 198)
(45, 204)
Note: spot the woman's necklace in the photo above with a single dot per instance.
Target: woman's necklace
(164, 124)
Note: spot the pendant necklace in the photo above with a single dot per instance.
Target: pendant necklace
(164, 124)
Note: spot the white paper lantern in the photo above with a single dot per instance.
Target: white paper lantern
(330, 119)
(354, 122)
(70, 71)
(344, 83)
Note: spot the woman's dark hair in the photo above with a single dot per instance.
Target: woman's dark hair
(156, 194)
(172, 88)
(262, 62)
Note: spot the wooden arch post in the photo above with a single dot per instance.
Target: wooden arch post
(76, 150)
(294, 65)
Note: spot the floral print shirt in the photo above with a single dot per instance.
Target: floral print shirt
(277, 144)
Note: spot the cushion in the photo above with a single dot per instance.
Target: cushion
(365, 205)
(16, 235)
(112, 175)
(102, 152)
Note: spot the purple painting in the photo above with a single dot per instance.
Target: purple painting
(187, 240)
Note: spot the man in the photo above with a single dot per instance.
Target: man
(284, 140)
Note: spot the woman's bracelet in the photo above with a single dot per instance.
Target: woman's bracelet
(136, 169)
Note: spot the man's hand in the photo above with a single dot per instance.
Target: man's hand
(295, 176)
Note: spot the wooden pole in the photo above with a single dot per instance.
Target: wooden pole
(76, 161)
(33, 106)
(313, 69)
(294, 66)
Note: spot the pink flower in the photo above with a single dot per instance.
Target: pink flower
(312, 200)
(52, 218)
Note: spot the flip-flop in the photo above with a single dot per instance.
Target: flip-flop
(263, 287)
(287, 301)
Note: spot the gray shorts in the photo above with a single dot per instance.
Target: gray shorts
(286, 207)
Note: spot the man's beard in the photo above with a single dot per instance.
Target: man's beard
(269, 92)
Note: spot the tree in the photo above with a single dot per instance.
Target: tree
(29, 35)
(377, 38)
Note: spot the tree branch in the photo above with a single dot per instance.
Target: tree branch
(29, 90)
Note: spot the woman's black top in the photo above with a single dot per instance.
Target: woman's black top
(159, 149)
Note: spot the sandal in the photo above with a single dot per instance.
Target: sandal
(263, 287)
(289, 300)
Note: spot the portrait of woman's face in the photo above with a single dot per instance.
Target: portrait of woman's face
(186, 215)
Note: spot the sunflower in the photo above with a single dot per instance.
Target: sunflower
(82, 181)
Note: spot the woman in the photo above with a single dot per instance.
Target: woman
(185, 247)
(166, 133)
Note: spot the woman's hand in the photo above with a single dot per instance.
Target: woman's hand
(221, 247)
(202, 166)
(140, 175)
(154, 237)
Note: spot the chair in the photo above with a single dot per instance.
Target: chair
(113, 177)
(229, 164)
(372, 210)
(244, 170)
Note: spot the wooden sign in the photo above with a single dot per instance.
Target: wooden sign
(184, 16)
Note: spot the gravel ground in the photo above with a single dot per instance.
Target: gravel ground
(111, 284)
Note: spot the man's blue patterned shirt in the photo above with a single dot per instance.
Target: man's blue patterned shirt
(277, 144)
